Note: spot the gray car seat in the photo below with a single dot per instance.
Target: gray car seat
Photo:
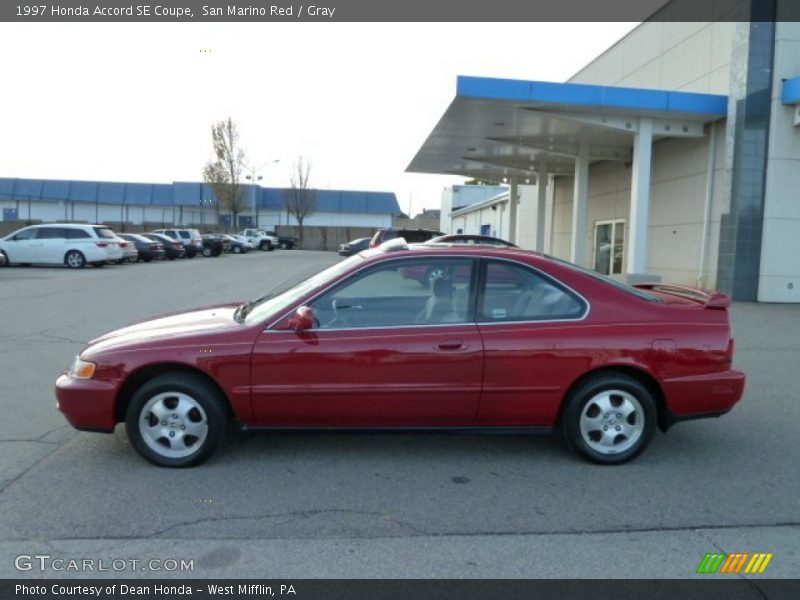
(439, 307)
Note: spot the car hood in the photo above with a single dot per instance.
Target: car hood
(170, 327)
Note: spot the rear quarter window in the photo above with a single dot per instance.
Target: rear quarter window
(513, 292)
(104, 232)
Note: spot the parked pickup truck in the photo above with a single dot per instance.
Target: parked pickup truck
(285, 242)
(261, 239)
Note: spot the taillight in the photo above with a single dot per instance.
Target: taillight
(123, 244)
(102, 244)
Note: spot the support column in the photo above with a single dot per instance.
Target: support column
(512, 211)
(541, 203)
(550, 213)
(579, 198)
(640, 197)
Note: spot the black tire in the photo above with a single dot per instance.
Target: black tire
(171, 258)
(270, 247)
(99, 265)
(207, 251)
(173, 387)
(148, 259)
(636, 429)
(75, 259)
(190, 253)
(236, 249)
(264, 245)
(4, 262)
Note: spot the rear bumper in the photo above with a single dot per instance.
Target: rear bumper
(702, 396)
(87, 404)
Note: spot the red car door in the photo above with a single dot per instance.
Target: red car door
(533, 344)
(387, 351)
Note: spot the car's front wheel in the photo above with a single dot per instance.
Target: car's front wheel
(176, 420)
(609, 418)
(207, 251)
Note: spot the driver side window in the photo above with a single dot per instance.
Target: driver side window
(24, 235)
(424, 291)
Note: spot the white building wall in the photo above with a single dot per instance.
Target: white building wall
(345, 220)
(445, 222)
(691, 57)
(137, 215)
(779, 278)
(470, 221)
(677, 200)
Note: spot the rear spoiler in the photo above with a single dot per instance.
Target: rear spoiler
(708, 298)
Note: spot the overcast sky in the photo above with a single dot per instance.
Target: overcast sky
(135, 102)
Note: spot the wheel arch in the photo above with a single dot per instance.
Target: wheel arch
(81, 252)
(145, 373)
(639, 374)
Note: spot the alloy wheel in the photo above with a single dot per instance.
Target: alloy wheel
(612, 422)
(173, 424)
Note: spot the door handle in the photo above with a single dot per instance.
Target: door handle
(451, 345)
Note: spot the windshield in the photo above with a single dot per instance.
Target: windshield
(605, 279)
(291, 290)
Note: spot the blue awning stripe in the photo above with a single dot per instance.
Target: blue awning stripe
(597, 96)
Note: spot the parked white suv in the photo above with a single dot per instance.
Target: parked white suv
(61, 244)
(261, 239)
(190, 238)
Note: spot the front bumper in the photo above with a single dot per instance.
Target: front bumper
(700, 396)
(88, 404)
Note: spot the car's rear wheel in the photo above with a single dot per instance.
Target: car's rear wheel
(176, 420)
(237, 249)
(75, 259)
(609, 418)
(4, 260)
(207, 251)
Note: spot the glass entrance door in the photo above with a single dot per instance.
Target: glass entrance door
(609, 247)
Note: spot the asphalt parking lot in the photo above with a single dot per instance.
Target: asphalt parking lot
(390, 505)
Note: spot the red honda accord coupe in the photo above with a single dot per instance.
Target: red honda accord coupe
(500, 339)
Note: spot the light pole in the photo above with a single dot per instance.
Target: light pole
(254, 178)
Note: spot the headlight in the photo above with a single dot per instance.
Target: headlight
(82, 369)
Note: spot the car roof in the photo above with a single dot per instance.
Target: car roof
(67, 225)
(392, 248)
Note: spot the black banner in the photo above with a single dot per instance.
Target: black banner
(381, 10)
(714, 588)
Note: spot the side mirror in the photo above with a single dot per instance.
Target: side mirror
(302, 319)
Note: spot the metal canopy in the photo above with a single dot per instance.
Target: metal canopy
(500, 128)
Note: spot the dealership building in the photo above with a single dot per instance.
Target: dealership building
(182, 203)
(674, 155)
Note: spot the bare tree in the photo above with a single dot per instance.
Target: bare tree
(223, 174)
(300, 198)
